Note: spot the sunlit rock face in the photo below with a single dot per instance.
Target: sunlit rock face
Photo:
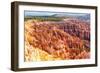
(68, 39)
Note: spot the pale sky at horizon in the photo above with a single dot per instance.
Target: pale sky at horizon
(48, 13)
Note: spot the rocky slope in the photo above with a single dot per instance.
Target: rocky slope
(62, 40)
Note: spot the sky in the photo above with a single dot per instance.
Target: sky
(48, 13)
